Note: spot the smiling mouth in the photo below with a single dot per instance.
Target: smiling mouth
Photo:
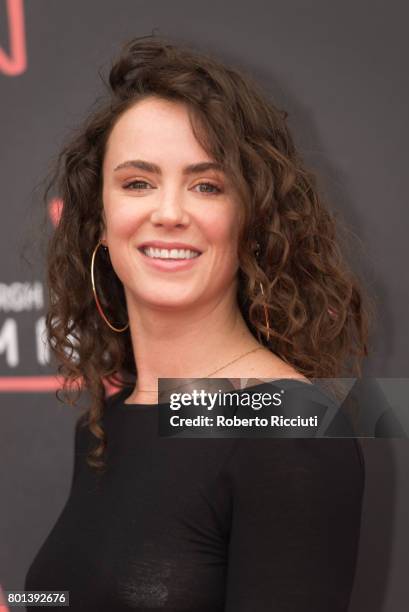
(169, 254)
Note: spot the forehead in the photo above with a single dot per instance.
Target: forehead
(155, 129)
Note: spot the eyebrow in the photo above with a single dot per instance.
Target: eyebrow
(155, 169)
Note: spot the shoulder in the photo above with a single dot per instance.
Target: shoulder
(269, 364)
(265, 364)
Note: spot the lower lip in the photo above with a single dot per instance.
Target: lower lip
(169, 265)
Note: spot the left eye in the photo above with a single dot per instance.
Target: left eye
(208, 185)
(130, 185)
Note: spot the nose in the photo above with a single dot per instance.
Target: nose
(170, 210)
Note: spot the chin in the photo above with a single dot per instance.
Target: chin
(166, 299)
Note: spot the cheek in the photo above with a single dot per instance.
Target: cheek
(121, 218)
(222, 228)
(222, 236)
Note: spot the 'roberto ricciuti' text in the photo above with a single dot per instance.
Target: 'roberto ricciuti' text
(221, 421)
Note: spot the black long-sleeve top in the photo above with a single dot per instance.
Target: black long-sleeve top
(205, 525)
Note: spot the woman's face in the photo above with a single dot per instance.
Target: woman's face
(152, 195)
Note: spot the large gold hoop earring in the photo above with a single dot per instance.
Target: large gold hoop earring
(101, 312)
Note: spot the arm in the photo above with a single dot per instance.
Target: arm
(295, 525)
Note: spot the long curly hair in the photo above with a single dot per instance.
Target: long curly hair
(319, 313)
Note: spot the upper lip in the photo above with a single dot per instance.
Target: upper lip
(159, 244)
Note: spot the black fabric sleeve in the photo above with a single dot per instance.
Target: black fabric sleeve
(295, 524)
(79, 448)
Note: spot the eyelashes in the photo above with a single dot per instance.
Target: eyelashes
(211, 185)
(129, 185)
(218, 190)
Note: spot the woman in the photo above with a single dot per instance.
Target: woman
(211, 255)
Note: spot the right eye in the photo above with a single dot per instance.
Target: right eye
(129, 185)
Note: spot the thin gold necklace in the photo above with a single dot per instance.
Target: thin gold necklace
(211, 373)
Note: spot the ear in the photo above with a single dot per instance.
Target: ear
(103, 238)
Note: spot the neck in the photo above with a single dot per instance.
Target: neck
(186, 343)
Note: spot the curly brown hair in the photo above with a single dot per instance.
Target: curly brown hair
(318, 310)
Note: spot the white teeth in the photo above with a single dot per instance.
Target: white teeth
(170, 253)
